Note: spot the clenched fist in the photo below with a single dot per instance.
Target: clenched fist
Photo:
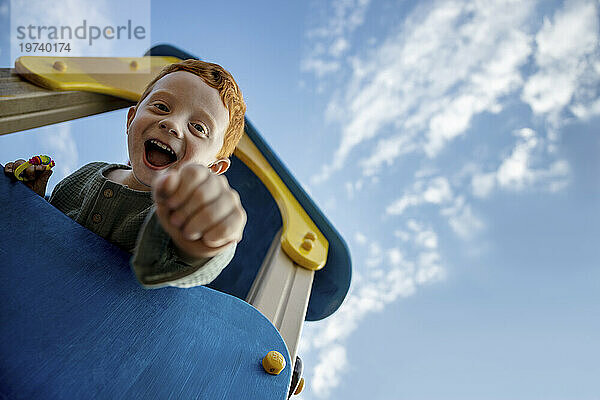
(199, 210)
(35, 176)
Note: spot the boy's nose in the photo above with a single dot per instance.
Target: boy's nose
(171, 129)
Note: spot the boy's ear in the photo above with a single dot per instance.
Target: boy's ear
(220, 166)
(130, 116)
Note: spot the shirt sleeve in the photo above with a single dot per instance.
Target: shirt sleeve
(156, 263)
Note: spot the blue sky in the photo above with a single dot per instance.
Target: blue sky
(454, 144)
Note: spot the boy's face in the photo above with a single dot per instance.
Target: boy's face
(181, 120)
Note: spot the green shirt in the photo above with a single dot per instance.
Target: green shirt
(126, 218)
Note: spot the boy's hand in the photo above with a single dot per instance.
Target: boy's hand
(199, 210)
(36, 176)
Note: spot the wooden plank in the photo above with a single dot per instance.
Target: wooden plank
(281, 292)
(24, 105)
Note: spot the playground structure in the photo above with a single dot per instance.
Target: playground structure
(75, 322)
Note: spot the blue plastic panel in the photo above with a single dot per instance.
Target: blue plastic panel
(76, 324)
(264, 220)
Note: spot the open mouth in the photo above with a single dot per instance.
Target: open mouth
(158, 155)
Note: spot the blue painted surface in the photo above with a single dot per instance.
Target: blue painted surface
(76, 324)
(264, 220)
(331, 284)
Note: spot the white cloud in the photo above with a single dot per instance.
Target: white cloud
(393, 275)
(62, 148)
(339, 47)
(427, 239)
(360, 238)
(514, 171)
(462, 220)
(387, 150)
(395, 256)
(330, 39)
(420, 88)
(437, 191)
(586, 111)
(518, 171)
(402, 235)
(320, 67)
(354, 186)
(331, 362)
(483, 184)
(429, 269)
(566, 54)
(375, 255)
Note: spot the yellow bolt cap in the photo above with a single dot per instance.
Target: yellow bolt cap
(273, 362)
(307, 244)
(300, 387)
(310, 236)
(60, 66)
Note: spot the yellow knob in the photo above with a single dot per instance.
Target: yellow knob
(273, 362)
(300, 387)
(310, 236)
(60, 66)
(307, 244)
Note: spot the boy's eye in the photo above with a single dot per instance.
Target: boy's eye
(200, 128)
(161, 107)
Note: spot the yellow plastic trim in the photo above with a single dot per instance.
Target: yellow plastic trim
(127, 77)
(301, 240)
(300, 387)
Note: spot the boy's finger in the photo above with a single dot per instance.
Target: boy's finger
(226, 231)
(203, 194)
(8, 169)
(39, 185)
(188, 208)
(165, 185)
(17, 163)
(45, 175)
(14, 165)
(29, 173)
(192, 176)
(205, 219)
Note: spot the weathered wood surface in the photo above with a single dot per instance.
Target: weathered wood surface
(24, 105)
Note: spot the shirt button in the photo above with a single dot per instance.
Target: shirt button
(97, 218)
(108, 193)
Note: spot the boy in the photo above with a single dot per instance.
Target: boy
(171, 208)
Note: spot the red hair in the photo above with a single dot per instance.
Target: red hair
(216, 77)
